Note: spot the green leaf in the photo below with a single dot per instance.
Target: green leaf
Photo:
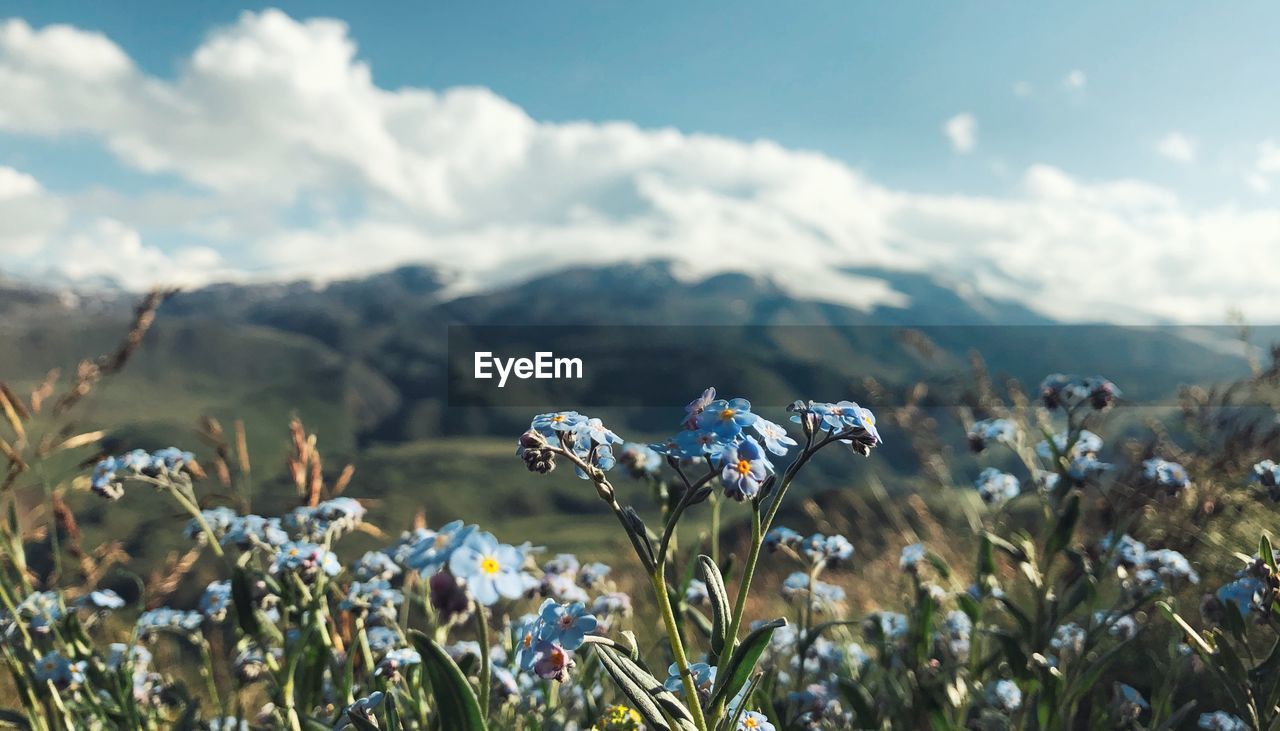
(720, 612)
(644, 691)
(455, 701)
(861, 702)
(737, 671)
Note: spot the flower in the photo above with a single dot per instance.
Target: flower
(782, 536)
(640, 460)
(1244, 594)
(41, 610)
(429, 551)
(773, 435)
(306, 559)
(696, 595)
(1128, 702)
(1128, 551)
(958, 630)
(1168, 475)
(697, 406)
(1221, 721)
(64, 674)
(753, 721)
(1171, 564)
(1086, 443)
(986, 431)
(595, 431)
(911, 557)
(396, 660)
(726, 418)
(375, 596)
(564, 624)
(375, 565)
(704, 677)
(164, 618)
(797, 585)
(1068, 639)
(216, 600)
(592, 574)
(996, 487)
(886, 625)
(743, 469)
(619, 718)
(549, 425)
(1062, 391)
(1267, 474)
(102, 599)
(820, 549)
(490, 570)
(1005, 695)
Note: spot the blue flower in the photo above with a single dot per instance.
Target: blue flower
(1005, 695)
(887, 625)
(775, 437)
(986, 431)
(382, 639)
(103, 481)
(958, 630)
(164, 618)
(1221, 721)
(697, 406)
(375, 565)
(1128, 551)
(57, 669)
(429, 551)
(592, 574)
(216, 600)
(996, 487)
(102, 599)
(375, 596)
(1267, 473)
(727, 418)
(306, 559)
(781, 536)
(1086, 443)
(753, 721)
(595, 431)
(704, 677)
(1171, 564)
(1168, 475)
(1062, 391)
(911, 557)
(396, 660)
(820, 549)
(491, 570)
(41, 610)
(1244, 594)
(1068, 639)
(565, 624)
(640, 460)
(743, 469)
(561, 421)
(697, 594)
(797, 586)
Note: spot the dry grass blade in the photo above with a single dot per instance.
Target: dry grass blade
(11, 414)
(242, 447)
(344, 479)
(44, 391)
(165, 580)
(80, 440)
(15, 459)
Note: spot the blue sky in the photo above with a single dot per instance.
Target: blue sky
(1171, 98)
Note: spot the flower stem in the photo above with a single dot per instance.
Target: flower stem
(482, 634)
(659, 581)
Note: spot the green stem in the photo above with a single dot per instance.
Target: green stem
(482, 634)
(677, 646)
(715, 529)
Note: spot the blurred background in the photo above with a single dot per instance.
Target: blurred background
(333, 186)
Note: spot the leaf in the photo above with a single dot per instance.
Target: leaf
(863, 705)
(1017, 554)
(639, 535)
(455, 700)
(737, 671)
(720, 612)
(644, 691)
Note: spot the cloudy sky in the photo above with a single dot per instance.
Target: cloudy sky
(1092, 161)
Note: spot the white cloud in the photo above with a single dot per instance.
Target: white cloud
(1177, 147)
(1075, 79)
(295, 163)
(962, 131)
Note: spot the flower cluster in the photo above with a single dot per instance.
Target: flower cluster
(110, 472)
(1069, 392)
(1168, 476)
(549, 639)
(986, 431)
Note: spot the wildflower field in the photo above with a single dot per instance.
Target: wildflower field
(1064, 576)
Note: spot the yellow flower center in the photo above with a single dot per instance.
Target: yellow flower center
(743, 467)
(750, 723)
(294, 552)
(727, 414)
(557, 418)
(490, 565)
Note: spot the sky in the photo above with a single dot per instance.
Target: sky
(1093, 161)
